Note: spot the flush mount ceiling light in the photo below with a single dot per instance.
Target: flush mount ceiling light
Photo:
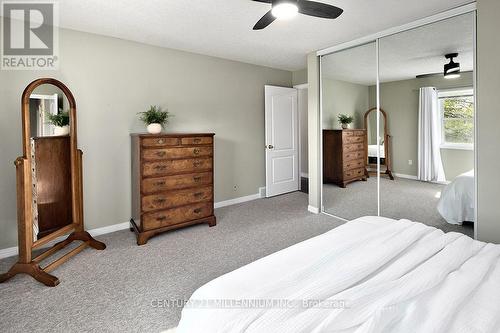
(451, 69)
(286, 9)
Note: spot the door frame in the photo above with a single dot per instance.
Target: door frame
(300, 87)
(461, 10)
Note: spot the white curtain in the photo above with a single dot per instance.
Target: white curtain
(430, 166)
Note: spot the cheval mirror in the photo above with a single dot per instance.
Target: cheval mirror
(49, 181)
(383, 143)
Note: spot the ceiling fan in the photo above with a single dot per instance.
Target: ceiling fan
(451, 70)
(286, 9)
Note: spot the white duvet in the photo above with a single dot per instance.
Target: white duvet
(456, 204)
(372, 151)
(393, 276)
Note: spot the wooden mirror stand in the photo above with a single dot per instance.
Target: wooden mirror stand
(386, 167)
(73, 225)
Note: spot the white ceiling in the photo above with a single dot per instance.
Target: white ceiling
(223, 28)
(407, 54)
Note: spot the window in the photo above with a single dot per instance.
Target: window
(457, 113)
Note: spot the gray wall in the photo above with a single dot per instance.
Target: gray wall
(400, 100)
(488, 117)
(112, 80)
(299, 77)
(343, 97)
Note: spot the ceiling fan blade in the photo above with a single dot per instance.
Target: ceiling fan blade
(423, 76)
(317, 9)
(264, 21)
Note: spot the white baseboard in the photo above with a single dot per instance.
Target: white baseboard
(8, 252)
(238, 200)
(312, 209)
(13, 251)
(402, 175)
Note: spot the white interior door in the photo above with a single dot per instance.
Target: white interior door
(282, 163)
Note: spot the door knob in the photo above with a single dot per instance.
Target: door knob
(270, 146)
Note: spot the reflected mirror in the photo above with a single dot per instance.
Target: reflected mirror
(50, 148)
(430, 116)
(348, 91)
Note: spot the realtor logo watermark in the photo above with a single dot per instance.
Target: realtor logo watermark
(30, 39)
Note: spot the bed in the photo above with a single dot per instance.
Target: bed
(372, 274)
(456, 204)
(372, 151)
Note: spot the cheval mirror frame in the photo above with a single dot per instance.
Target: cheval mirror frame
(26, 263)
(387, 146)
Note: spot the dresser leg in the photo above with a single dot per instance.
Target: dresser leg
(212, 222)
(142, 239)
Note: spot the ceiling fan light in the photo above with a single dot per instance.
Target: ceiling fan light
(285, 10)
(452, 76)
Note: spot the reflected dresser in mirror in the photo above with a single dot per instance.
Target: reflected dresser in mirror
(172, 182)
(343, 156)
(49, 182)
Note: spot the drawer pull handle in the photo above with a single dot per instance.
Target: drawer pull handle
(160, 183)
(161, 218)
(197, 140)
(160, 167)
(197, 179)
(196, 151)
(198, 194)
(161, 141)
(197, 211)
(161, 154)
(196, 164)
(159, 201)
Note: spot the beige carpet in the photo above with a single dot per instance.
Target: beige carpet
(400, 199)
(113, 290)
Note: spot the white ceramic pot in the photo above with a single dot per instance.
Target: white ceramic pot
(60, 131)
(345, 126)
(154, 128)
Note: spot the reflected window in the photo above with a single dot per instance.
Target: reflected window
(457, 111)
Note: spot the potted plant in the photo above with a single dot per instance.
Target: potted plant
(345, 120)
(60, 121)
(155, 119)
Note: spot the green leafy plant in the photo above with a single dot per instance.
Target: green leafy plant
(345, 119)
(154, 115)
(60, 119)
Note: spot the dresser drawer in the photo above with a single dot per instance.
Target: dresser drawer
(176, 198)
(201, 140)
(354, 139)
(177, 182)
(354, 164)
(349, 156)
(355, 173)
(176, 166)
(351, 147)
(168, 153)
(175, 216)
(159, 142)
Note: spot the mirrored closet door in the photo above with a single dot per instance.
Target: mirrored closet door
(349, 79)
(426, 90)
(408, 152)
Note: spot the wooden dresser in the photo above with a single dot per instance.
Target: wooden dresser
(172, 182)
(344, 156)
